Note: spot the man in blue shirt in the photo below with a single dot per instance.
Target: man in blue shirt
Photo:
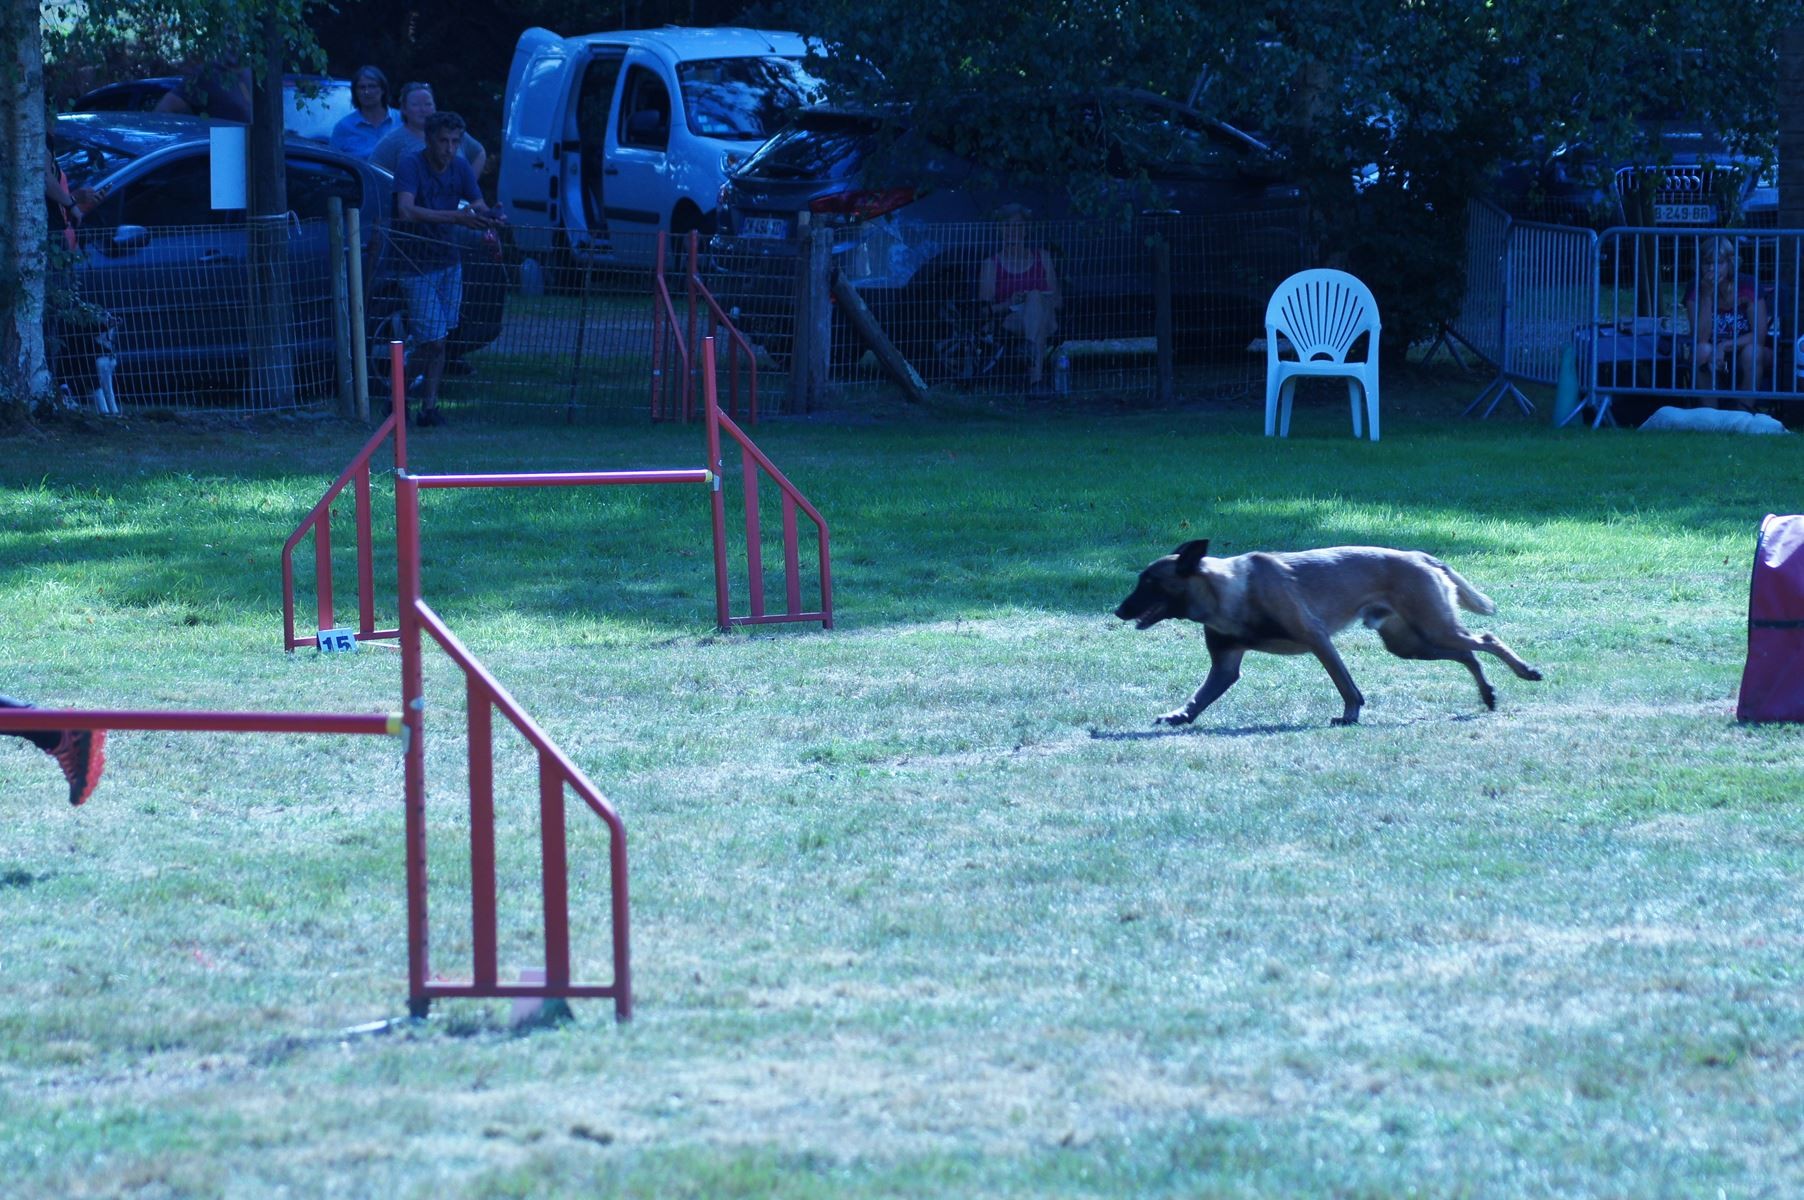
(358, 131)
(435, 191)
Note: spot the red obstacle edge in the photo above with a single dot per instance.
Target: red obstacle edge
(319, 522)
(31, 719)
(556, 772)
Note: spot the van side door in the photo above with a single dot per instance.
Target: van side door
(638, 186)
(530, 188)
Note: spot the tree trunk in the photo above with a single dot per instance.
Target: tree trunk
(24, 375)
(1791, 128)
(272, 298)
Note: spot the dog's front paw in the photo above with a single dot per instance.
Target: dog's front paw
(1352, 720)
(1532, 675)
(1176, 716)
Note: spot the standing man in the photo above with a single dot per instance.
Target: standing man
(435, 188)
(360, 129)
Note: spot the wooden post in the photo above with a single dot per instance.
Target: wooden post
(1791, 127)
(360, 353)
(341, 325)
(1162, 325)
(811, 346)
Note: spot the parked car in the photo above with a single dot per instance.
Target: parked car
(909, 219)
(315, 103)
(172, 272)
(1686, 177)
(610, 137)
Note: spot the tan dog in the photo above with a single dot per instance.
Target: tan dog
(1296, 603)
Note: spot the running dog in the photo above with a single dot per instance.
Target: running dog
(1296, 603)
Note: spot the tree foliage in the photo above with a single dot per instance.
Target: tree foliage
(1419, 101)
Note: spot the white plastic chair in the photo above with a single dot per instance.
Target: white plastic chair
(1320, 314)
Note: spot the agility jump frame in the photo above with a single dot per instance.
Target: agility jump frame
(753, 464)
(484, 694)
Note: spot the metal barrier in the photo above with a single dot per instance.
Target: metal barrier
(1711, 314)
(754, 463)
(319, 523)
(670, 348)
(1544, 278)
(1623, 308)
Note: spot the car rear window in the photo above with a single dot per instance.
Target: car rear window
(744, 99)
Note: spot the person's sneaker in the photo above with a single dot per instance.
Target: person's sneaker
(429, 417)
(81, 754)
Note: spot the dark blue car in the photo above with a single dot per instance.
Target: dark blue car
(171, 274)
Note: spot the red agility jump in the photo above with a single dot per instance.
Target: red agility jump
(754, 465)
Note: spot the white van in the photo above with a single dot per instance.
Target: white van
(612, 135)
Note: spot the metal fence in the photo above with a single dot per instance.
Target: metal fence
(1162, 309)
(1712, 314)
(1656, 315)
(235, 316)
(1528, 285)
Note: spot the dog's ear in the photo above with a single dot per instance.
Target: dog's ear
(1190, 555)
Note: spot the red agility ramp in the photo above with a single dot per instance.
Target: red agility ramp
(1772, 684)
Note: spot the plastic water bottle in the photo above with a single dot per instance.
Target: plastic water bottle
(1061, 374)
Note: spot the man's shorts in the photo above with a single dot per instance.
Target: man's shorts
(434, 299)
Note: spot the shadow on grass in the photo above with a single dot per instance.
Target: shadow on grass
(1237, 731)
(931, 520)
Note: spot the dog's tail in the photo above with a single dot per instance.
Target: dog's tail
(1470, 598)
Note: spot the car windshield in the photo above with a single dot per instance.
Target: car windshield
(84, 161)
(744, 99)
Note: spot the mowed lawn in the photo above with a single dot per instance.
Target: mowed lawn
(922, 906)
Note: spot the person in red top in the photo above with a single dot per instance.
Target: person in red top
(1019, 283)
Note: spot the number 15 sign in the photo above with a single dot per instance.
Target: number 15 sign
(337, 641)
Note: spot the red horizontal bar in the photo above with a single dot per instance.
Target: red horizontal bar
(22, 719)
(779, 618)
(374, 635)
(582, 991)
(564, 479)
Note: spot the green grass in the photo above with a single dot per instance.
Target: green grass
(922, 905)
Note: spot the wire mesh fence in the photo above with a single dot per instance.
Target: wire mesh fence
(1164, 305)
(243, 318)
(237, 317)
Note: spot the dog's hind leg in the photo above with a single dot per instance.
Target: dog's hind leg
(1406, 641)
(1224, 672)
(1490, 643)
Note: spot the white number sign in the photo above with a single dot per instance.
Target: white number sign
(337, 641)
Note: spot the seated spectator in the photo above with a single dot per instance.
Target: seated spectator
(417, 104)
(1020, 285)
(1728, 321)
(358, 131)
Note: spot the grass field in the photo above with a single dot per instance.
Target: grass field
(923, 907)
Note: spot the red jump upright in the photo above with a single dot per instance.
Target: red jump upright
(557, 776)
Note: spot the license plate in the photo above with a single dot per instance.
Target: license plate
(1684, 214)
(764, 227)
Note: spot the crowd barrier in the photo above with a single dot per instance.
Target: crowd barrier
(1628, 313)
